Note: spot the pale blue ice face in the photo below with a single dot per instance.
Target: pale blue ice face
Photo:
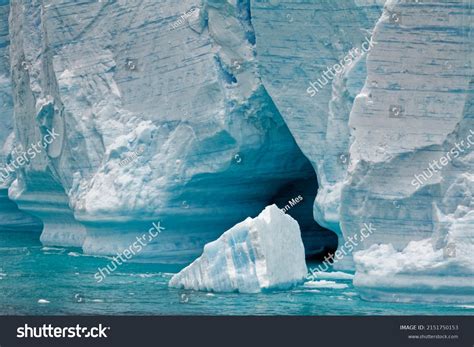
(199, 114)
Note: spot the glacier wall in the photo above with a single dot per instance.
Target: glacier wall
(384, 200)
(296, 42)
(411, 158)
(38, 109)
(199, 114)
(418, 68)
(371, 130)
(6, 101)
(11, 218)
(159, 118)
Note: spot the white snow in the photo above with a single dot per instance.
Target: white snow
(436, 269)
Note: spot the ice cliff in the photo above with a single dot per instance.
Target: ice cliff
(411, 158)
(11, 218)
(176, 83)
(5, 83)
(261, 253)
(296, 42)
(373, 130)
(201, 113)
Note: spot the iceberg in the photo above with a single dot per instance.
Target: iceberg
(198, 114)
(262, 253)
(6, 101)
(411, 158)
(11, 218)
(372, 131)
(162, 116)
(325, 284)
(387, 159)
(296, 43)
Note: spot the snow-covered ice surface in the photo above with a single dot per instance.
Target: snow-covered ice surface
(265, 252)
(417, 273)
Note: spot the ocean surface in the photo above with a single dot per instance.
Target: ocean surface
(60, 281)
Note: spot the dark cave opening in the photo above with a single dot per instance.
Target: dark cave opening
(296, 198)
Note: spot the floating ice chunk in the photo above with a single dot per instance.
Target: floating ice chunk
(325, 284)
(336, 275)
(260, 253)
(469, 307)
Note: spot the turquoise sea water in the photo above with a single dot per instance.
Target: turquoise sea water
(60, 281)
